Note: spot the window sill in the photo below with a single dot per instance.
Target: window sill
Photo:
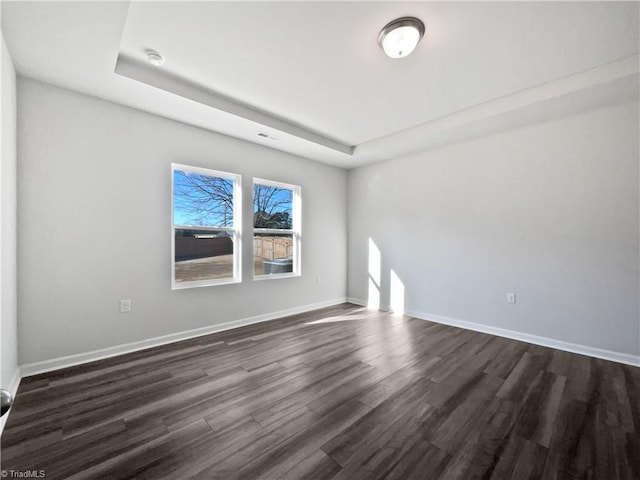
(271, 276)
(205, 283)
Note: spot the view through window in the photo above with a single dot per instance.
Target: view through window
(276, 229)
(205, 237)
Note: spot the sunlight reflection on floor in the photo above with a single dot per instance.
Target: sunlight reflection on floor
(361, 314)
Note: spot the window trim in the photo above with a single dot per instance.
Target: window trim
(236, 230)
(295, 231)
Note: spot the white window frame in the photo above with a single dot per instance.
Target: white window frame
(295, 231)
(236, 230)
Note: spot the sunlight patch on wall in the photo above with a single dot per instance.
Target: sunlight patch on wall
(373, 297)
(396, 294)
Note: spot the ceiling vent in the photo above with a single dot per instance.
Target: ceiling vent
(266, 135)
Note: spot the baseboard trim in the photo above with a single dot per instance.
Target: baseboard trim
(13, 389)
(628, 359)
(619, 357)
(45, 366)
(357, 301)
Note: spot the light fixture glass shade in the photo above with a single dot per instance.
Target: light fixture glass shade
(400, 37)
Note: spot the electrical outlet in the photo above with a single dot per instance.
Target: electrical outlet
(125, 305)
(511, 297)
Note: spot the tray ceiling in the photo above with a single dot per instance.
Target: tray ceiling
(312, 75)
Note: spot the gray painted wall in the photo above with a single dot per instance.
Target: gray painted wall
(549, 212)
(8, 323)
(94, 204)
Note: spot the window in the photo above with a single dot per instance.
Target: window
(276, 229)
(205, 227)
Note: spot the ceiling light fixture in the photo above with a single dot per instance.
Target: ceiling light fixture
(400, 37)
(155, 58)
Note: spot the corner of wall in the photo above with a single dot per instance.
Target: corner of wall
(9, 370)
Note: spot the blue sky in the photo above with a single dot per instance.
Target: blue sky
(194, 205)
(281, 195)
(205, 200)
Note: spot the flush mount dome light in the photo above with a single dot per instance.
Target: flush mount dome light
(400, 37)
(155, 58)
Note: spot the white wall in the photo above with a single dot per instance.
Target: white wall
(549, 212)
(9, 374)
(94, 202)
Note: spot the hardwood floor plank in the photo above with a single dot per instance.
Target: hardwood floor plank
(134, 462)
(355, 443)
(317, 465)
(288, 454)
(425, 461)
(540, 408)
(74, 458)
(521, 460)
(486, 440)
(342, 393)
(41, 458)
(457, 418)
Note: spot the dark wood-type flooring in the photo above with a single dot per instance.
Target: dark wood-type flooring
(339, 393)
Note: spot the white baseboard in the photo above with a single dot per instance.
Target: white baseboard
(13, 389)
(80, 358)
(619, 357)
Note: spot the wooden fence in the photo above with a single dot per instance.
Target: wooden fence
(191, 247)
(270, 248)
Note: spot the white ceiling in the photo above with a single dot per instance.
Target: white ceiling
(312, 74)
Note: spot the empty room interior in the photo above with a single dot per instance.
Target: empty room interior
(320, 240)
